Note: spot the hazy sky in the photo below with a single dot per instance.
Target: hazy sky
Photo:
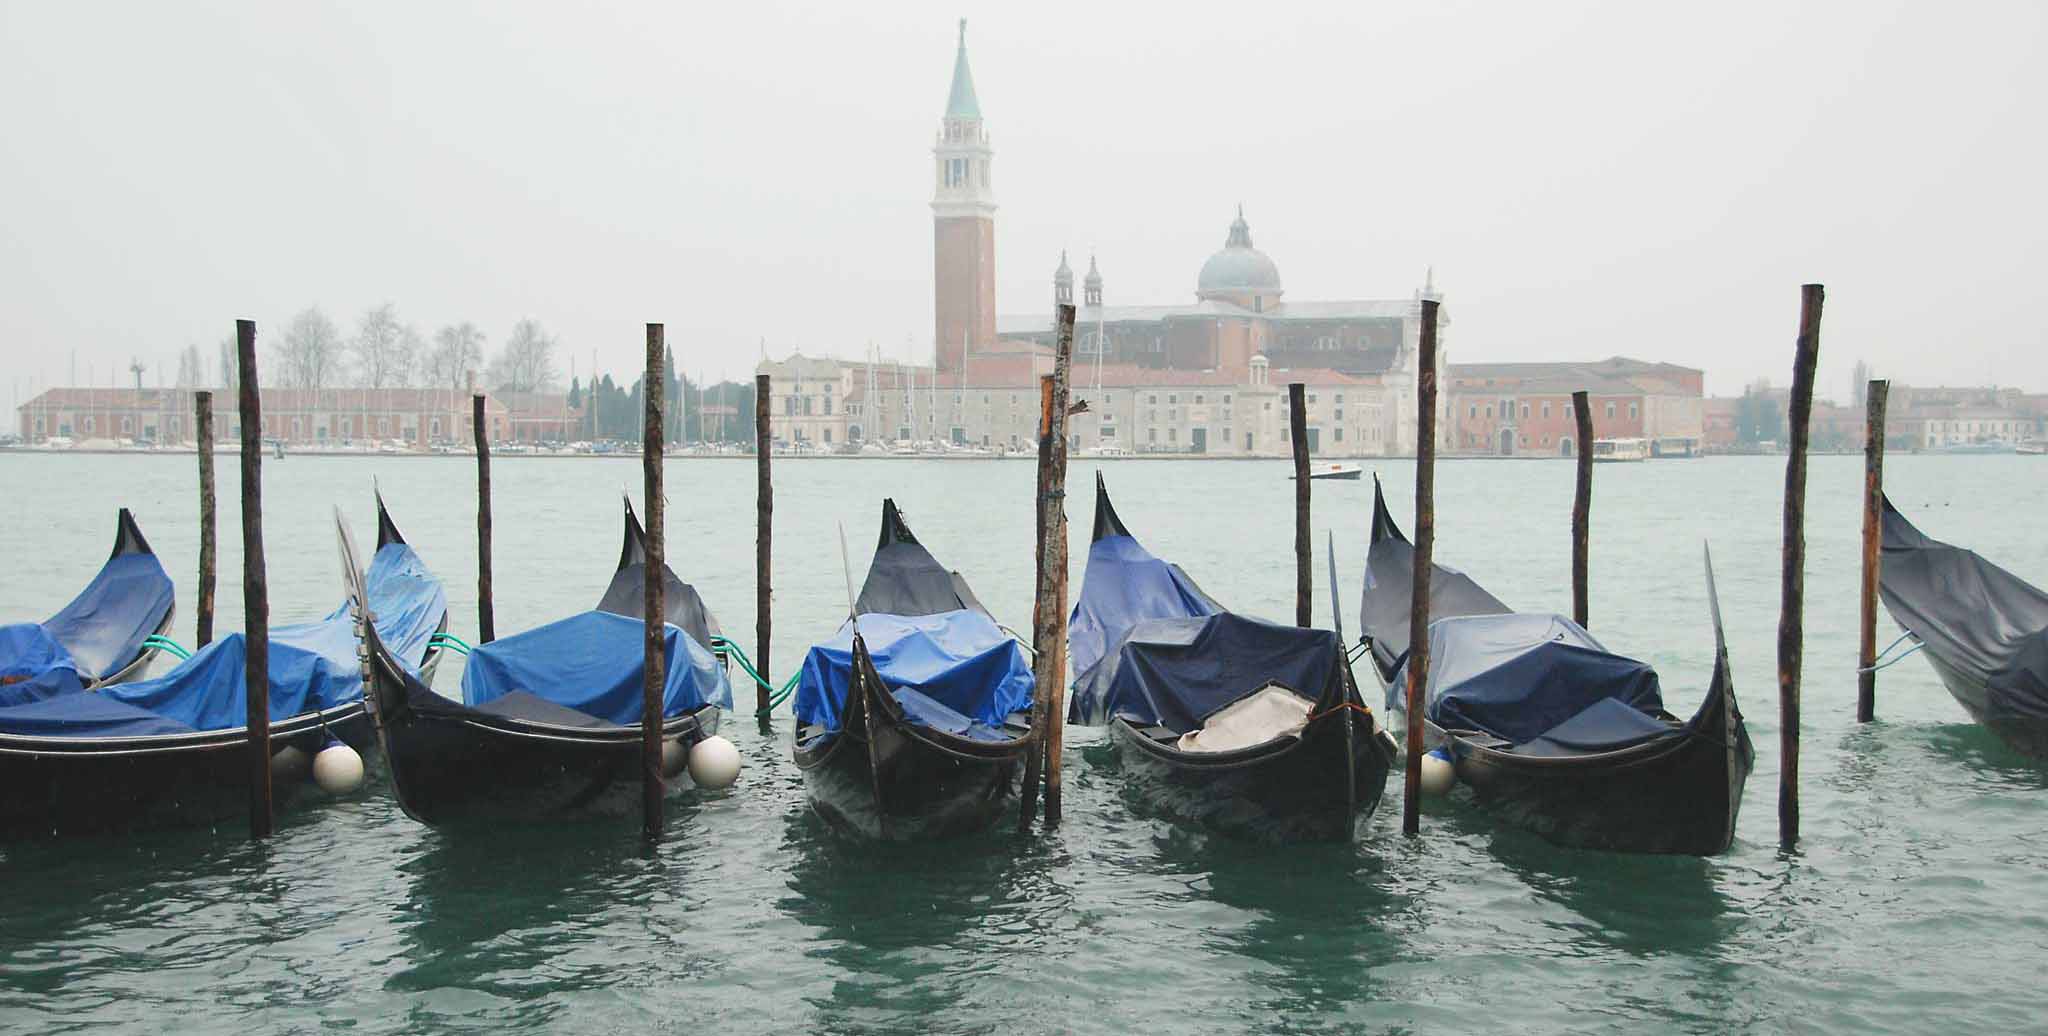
(1586, 178)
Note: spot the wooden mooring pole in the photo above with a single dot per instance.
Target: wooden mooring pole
(1297, 437)
(764, 534)
(1791, 632)
(654, 621)
(1582, 509)
(1425, 546)
(1873, 544)
(255, 584)
(202, 407)
(1048, 613)
(486, 623)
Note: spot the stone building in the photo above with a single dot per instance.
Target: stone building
(1205, 377)
(1521, 409)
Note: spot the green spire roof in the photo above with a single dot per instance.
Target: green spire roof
(961, 103)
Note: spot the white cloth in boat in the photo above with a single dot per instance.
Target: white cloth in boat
(1269, 712)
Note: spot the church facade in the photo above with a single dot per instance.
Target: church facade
(1207, 376)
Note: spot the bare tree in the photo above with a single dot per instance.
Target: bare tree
(458, 349)
(230, 366)
(191, 369)
(527, 362)
(386, 350)
(309, 353)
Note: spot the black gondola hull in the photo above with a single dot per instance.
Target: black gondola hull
(452, 765)
(1680, 794)
(1315, 787)
(883, 778)
(2021, 734)
(83, 785)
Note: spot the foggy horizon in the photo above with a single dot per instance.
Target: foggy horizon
(1586, 181)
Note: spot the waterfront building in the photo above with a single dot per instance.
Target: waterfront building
(1524, 409)
(317, 417)
(1206, 376)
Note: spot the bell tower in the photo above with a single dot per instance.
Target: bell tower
(963, 222)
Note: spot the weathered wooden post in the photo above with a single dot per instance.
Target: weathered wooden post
(1297, 435)
(1873, 544)
(764, 533)
(1791, 632)
(255, 584)
(1582, 509)
(654, 619)
(486, 623)
(1048, 613)
(1425, 546)
(202, 405)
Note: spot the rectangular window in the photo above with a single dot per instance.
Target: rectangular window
(1546, 411)
(1151, 435)
(1311, 397)
(1340, 413)
(1152, 399)
(1198, 397)
(1340, 399)
(1610, 410)
(1173, 399)
(1340, 435)
(1173, 435)
(1226, 399)
(1525, 411)
(1631, 411)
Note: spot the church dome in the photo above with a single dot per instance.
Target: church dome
(1239, 271)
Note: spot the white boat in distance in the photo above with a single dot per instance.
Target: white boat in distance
(1608, 451)
(1346, 472)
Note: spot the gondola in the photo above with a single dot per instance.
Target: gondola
(102, 636)
(549, 721)
(1551, 731)
(173, 749)
(1248, 727)
(913, 720)
(1983, 629)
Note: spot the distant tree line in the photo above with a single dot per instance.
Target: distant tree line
(311, 351)
(692, 411)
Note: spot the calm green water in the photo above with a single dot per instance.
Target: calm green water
(1917, 898)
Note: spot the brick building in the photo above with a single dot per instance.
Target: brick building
(1522, 409)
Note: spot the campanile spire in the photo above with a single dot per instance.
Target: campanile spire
(963, 216)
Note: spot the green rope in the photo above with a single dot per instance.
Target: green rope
(163, 643)
(449, 640)
(776, 696)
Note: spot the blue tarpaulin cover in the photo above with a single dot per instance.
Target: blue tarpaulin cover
(312, 665)
(1124, 585)
(956, 660)
(33, 665)
(1527, 676)
(592, 663)
(86, 714)
(1176, 672)
(104, 626)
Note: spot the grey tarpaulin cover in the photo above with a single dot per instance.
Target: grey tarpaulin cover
(1973, 616)
(1384, 610)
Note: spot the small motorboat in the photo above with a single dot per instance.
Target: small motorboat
(1334, 471)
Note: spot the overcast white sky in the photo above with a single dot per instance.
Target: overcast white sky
(1588, 178)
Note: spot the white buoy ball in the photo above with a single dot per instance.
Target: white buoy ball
(1437, 774)
(289, 765)
(673, 758)
(714, 763)
(338, 770)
